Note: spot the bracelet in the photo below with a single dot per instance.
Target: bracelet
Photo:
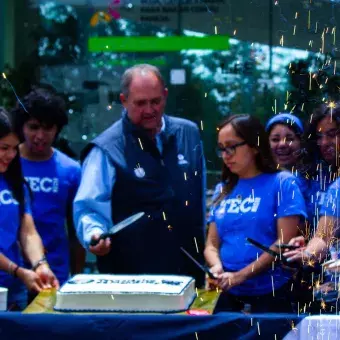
(39, 263)
(15, 271)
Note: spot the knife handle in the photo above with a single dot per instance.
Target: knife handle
(101, 237)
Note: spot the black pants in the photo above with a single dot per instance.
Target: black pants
(280, 303)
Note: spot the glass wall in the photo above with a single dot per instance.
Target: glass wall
(217, 56)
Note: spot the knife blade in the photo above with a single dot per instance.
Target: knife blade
(204, 268)
(273, 253)
(118, 227)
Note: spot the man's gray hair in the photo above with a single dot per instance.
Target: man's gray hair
(141, 69)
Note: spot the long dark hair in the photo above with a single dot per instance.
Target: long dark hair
(313, 150)
(253, 133)
(13, 174)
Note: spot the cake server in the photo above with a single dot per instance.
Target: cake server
(118, 227)
(204, 268)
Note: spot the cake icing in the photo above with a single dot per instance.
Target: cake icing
(126, 293)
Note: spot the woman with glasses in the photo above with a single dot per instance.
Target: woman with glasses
(255, 201)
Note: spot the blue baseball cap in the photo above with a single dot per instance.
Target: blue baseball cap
(286, 119)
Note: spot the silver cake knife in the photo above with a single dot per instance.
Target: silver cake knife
(118, 227)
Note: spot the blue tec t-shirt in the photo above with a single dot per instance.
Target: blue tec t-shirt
(9, 230)
(330, 206)
(252, 210)
(54, 184)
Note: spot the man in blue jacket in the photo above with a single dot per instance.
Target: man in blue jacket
(146, 161)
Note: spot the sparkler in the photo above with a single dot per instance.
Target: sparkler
(12, 87)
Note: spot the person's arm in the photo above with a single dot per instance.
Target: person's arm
(92, 204)
(29, 277)
(212, 250)
(77, 252)
(317, 247)
(33, 249)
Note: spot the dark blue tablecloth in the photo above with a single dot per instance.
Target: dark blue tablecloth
(102, 327)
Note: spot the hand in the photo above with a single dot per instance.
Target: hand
(216, 270)
(102, 248)
(47, 277)
(296, 255)
(228, 280)
(31, 279)
(332, 266)
(298, 241)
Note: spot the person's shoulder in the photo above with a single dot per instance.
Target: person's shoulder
(281, 176)
(183, 124)
(335, 185)
(113, 132)
(66, 161)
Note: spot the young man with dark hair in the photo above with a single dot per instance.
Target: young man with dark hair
(53, 178)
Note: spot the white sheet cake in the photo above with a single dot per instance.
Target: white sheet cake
(126, 293)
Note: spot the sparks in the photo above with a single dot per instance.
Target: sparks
(202, 125)
(281, 41)
(185, 176)
(215, 29)
(273, 286)
(164, 217)
(296, 15)
(308, 24)
(258, 328)
(196, 245)
(140, 143)
(294, 29)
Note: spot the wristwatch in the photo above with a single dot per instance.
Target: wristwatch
(43, 260)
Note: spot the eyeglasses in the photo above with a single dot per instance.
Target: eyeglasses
(229, 150)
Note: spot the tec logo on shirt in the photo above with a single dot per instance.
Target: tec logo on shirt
(6, 198)
(44, 184)
(237, 205)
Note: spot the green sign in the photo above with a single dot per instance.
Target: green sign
(157, 44)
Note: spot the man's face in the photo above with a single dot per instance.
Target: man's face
(146, 101)
(38, 137)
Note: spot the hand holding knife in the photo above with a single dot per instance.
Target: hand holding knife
(200, 266)
(118, 227)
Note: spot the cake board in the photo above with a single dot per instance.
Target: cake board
(204, 304)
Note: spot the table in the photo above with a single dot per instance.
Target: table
(40, 322)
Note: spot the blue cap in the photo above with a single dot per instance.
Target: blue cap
(286, 119)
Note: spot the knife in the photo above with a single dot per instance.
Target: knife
(287, 246)
(204, 268)
(279, 257)
(118, 227)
